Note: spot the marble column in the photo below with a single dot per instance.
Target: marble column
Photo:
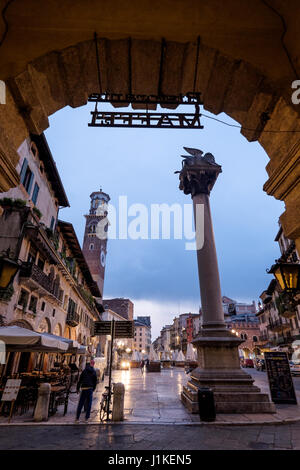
(217, 348)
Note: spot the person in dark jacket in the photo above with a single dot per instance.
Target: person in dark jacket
(87, 383)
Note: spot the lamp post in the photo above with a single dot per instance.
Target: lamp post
(288, 278)
(217, 347)
(287, 275)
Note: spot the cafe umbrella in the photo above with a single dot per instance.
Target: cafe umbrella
(20, 339)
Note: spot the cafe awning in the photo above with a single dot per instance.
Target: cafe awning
(73, 346)
(24, 340)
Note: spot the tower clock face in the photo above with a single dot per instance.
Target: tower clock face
(102, 258)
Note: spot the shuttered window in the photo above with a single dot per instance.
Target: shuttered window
(35, 193)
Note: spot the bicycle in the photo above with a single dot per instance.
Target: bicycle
(105, 404)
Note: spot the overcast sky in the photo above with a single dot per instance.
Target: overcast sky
(160, 276)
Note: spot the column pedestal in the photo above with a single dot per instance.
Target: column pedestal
(219, 369)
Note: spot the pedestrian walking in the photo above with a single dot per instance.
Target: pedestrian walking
(87, 384)
(142, 365)
(147, 363)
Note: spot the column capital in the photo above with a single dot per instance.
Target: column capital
(198, 174)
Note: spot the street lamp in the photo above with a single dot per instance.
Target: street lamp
(287, 275)
(8, 269)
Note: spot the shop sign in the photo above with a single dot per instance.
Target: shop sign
(280, 378)
(11, 390)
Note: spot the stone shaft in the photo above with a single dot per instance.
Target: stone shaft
(210, 289)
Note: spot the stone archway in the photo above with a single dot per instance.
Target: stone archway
(57, 330)
(44, 325)
(22, 324)
(246, 353)
(236, 72)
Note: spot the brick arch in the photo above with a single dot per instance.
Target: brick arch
(22, 324)
(228, 83)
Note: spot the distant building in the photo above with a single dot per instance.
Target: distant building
(232, 307)
(123, 307)
(142, 334)
(183, 330)
(246, 326)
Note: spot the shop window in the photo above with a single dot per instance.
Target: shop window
(33, 303)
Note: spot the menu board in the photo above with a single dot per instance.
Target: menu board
(11, 389)
(280, 379)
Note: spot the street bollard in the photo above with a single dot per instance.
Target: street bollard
(118, 402)
(42, 405)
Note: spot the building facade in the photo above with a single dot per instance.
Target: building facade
(142, 334)
(246, 326)
(232, 307)
(123, 307)
(279, 327)
(53, 290)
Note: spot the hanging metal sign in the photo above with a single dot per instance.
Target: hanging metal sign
(129, 98)
(122, 329)
(148, 120)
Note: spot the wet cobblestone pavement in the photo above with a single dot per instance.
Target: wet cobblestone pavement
(151, 437)
(154, 398)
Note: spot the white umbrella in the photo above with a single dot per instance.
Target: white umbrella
(190, 353)
(180, 357)
(135, 356)
(21, 339)
(174, 355)
(153, 357)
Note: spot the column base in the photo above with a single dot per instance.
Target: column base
(219, 369)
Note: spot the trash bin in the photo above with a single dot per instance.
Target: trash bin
(207, 410)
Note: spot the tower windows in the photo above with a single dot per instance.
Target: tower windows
(92, 228)
(91, 246)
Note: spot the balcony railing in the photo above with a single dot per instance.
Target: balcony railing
(33, 272)
(278, 325)
(263, 338)
(72, 319)
(283, 340)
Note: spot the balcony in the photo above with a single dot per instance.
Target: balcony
(279, 325)
(283, 340)
(36, 279)
(288, 313)
(72, 319)
(263, 339)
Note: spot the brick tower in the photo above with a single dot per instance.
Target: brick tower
(94, 248)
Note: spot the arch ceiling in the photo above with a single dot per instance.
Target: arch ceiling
(248, 55)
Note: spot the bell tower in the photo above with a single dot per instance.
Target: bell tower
(94, 247)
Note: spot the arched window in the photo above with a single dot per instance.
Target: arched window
(91, 246)
(255, 339)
